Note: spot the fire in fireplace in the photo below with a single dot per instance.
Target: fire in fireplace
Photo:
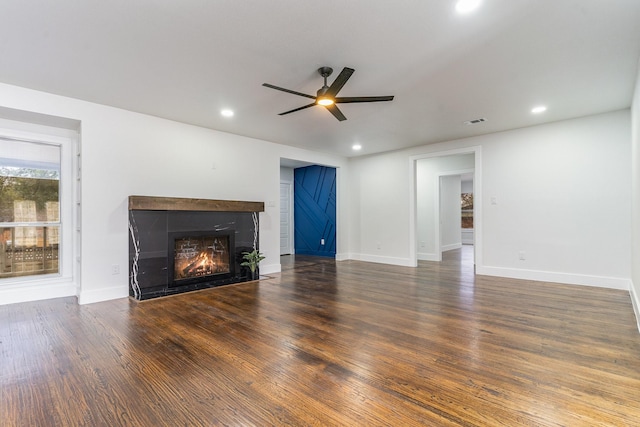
(200, 256)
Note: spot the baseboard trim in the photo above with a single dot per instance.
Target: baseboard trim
(342, 256)
(547, 276)
(451, 247)
(26, 292)
(424, 256)
(635, 302)
(104, 294)
(404, 262)
(270, 268)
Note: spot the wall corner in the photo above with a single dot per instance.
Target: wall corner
(635, 301)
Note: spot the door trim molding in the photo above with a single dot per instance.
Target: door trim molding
(477, 198)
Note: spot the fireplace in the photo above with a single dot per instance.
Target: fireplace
(180, 245)
(200, 256)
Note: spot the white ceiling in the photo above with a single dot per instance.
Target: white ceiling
(185, 60)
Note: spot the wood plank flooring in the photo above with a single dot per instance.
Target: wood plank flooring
(329, 344)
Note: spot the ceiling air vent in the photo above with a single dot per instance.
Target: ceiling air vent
(475, 121)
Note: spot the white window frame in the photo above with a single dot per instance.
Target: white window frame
(65, 282)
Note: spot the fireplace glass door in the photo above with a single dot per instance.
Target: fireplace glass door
(199, 256)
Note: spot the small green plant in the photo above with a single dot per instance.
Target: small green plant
(251, 260)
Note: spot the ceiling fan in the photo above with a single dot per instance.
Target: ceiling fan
(326, 95)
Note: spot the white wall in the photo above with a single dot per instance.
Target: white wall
(126, 153)
(379, 208)
(635, 213)
(562, 197)
(286, 175)
(450, 215)
(467, 186)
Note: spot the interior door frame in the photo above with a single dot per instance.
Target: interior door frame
(438, 208)
(291, 248)
(477, 200)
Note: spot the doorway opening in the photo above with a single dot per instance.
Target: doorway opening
(438, 220)
(308, 209)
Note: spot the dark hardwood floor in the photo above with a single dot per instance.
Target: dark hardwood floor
(326, 343)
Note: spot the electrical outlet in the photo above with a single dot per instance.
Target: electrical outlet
(115, 269)
(521, 256)
(322, 241)
(378, 245)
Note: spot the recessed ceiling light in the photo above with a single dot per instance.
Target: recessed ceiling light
(356, 147)
(227, 113)
(466, 6)
(539, 109)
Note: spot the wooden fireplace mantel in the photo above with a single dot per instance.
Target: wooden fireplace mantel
(150, 203)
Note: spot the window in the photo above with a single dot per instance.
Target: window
(30, 219)
(466, 202)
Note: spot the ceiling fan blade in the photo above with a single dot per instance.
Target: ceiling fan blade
(348, 99)
(288, 90)
(297, 109)
(333, 109)
(337, 84)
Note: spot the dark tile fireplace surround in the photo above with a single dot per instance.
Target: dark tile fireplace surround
(178, 245)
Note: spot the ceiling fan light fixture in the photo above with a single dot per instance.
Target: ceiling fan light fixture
(325, 101)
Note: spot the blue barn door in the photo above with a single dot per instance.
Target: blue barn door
(315, 211)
